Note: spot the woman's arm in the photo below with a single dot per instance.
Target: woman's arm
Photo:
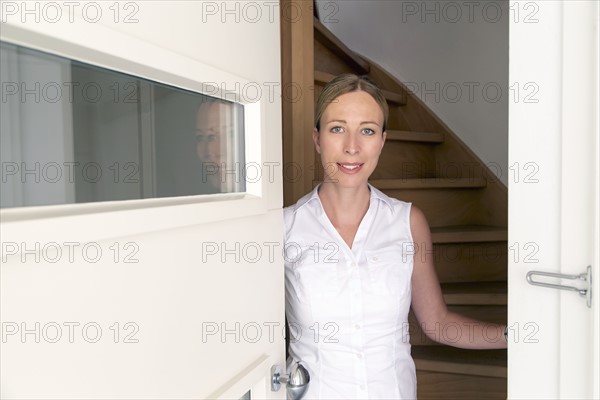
(429, 306)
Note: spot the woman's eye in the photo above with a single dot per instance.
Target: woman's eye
(337, 129)
(368, 131)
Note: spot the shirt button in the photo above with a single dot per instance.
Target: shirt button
(353, 264)
(359, 355)
(357, 326)
(375, 258)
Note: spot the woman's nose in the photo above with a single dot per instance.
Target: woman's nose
(214, 150)
(351, 144)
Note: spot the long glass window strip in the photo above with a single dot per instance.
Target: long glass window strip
(76, 133)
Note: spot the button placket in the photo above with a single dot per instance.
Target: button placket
(356, 307)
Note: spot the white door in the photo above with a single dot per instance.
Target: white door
(553, 198)
(166, 297)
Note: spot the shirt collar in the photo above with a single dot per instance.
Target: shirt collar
(314, 195)
(379, 195)
(376, 194)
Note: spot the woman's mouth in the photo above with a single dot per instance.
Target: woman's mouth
(350, 168)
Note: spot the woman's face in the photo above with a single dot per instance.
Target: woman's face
(213, 120)
(350, 138)
(211, 124)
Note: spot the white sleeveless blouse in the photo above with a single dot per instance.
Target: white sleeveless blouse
(348, 308)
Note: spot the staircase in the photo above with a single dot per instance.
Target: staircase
(423, 162)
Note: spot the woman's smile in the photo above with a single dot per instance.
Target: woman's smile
(350, 168)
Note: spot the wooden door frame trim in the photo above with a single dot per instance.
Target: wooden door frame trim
(297, 79)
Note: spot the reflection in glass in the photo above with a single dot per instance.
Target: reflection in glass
(75, 133)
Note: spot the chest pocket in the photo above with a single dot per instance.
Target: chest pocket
(317, 274)
(390, 271)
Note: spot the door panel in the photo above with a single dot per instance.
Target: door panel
(557, 212)
(176, 297)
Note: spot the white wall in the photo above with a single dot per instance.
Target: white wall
(452, 54)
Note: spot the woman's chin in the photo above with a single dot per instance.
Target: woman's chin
(352, 181)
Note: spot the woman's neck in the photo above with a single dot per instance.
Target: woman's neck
(344, 206)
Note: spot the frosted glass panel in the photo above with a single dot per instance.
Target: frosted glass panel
(75, 133)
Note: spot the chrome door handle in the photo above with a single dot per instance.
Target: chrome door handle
(296, 381)
(586, 277)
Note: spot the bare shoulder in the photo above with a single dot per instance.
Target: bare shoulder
(419, 226)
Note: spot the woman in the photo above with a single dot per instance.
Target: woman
(357, 267)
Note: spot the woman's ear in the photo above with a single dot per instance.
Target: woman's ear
(384, 137)
(315, 136)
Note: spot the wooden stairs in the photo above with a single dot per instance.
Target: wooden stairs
(423, 162)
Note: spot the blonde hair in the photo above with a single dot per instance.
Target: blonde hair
(347, 83)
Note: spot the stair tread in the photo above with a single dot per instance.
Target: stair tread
(460, 361)
(392, 97)
(429, 183)
(329, 40)
(468, 234)
(412, 136)
(323, 77)
(475, 293)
